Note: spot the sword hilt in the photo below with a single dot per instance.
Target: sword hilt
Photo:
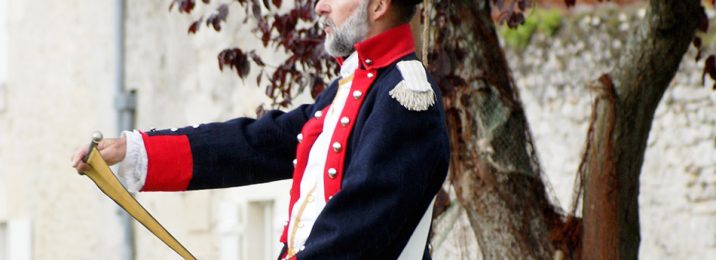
(96, 138)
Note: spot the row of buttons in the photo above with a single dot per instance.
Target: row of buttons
(336, 146)
(174, 129)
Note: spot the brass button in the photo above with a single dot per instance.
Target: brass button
(295, 161)
(370, 75)
(345, 121)
(357, 94)
(337, 147)
(332, 173)
(318, 114)
(299, 137)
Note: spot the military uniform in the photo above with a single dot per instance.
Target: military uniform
(385, 160)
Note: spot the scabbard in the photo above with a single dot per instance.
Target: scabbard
(100, 173)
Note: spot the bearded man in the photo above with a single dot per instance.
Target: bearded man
(370, 154)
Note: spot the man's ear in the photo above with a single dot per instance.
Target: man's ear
(378, 9)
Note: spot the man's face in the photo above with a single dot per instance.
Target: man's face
(345, 23)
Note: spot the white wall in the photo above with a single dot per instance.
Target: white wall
(58, 91)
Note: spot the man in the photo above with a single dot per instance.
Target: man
(370, 153)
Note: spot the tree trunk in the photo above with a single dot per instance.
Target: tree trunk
(624, 110)
(495, 171)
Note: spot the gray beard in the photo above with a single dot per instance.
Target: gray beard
(352, 31)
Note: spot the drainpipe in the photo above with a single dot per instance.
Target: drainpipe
(125, 107)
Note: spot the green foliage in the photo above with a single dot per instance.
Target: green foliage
(546, 21)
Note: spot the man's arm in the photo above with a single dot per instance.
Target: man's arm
(237, 152)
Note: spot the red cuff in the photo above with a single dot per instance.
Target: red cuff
(169, 166)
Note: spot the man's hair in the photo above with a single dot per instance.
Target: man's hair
(405, 11)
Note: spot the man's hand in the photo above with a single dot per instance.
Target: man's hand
(112, 151)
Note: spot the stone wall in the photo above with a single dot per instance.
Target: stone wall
(678, 181)
(678, 196)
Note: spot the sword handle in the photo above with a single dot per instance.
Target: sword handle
(96, 138)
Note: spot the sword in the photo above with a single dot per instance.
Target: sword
(100, 173)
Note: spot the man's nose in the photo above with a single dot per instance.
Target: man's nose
(322, 8)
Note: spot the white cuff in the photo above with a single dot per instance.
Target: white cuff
(133, 169)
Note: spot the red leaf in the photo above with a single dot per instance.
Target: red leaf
(442, 202)
(317, 87)
(277, 3)
(523, 4)
(256, 9)
(236, 59)
(265, 38)
(195, 26)
(222, 58)
(256, 58)
(260, 111)
(270, 90)
(709, 68)
(703, 21)
(697, 44)
(220, 16)
(516, 19)
(185, 6)
(697, 41)
(698, 55)
(285, 103)
(242, 67)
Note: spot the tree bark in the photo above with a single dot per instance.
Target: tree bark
(495, 171)
(623, 115)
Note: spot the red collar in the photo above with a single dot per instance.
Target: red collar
(385, 48)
